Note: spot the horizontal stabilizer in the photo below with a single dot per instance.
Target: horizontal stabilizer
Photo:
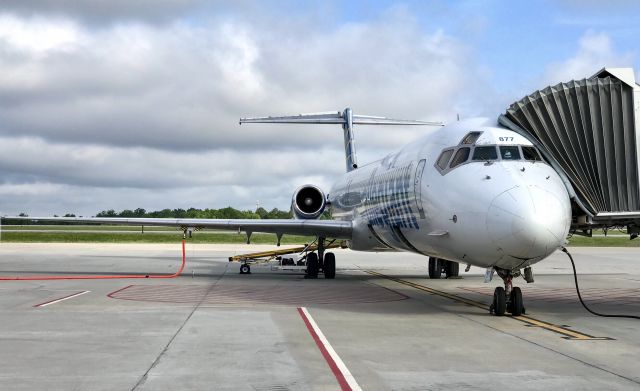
(346, 119)
(336, 118)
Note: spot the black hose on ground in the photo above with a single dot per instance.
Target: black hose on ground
(575, 277)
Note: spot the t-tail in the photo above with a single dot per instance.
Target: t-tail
(345, 118)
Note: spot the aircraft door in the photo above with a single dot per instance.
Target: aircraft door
(417, 187)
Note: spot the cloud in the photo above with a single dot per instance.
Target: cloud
(95, 165)
(184, 87)
(136, 111)
(595, 51)
(101, 11)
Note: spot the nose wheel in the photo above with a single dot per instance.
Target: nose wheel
(507, 299)
(516, 306)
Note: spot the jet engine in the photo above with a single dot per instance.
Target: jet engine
(308, 202)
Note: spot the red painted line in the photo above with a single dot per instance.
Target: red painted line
(61, 299)
(332, 364)
(118, 291)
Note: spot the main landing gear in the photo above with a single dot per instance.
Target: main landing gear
(509, 298)
(321, 261)
(438, 266)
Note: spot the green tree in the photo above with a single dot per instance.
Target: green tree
(192, 213)
(179, 213)
(262, 212)
(127, 213)
(107, 213)
(276, 213)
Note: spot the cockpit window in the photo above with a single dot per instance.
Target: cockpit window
(485, 153)
(530, 153)
(509, 153)
(461, 156)
(444, 158)
(456, 156)
(470, 138)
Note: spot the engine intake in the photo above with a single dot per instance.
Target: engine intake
(308, 202)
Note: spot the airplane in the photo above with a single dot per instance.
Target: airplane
(471, 192)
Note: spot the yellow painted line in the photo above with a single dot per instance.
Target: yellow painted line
(566, 332)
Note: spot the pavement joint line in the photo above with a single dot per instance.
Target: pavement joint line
(155, 362)
(529, 321)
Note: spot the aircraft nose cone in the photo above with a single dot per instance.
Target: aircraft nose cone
(527, 222)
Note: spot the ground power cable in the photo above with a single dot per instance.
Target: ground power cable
(575, 277)
(99, 277)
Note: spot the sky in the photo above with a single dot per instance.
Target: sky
(114, 104)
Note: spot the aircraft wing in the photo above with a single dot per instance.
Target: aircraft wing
(336, 229)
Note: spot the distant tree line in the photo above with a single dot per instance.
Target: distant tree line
(193, 213)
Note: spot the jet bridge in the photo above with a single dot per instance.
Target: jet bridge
(588, 131)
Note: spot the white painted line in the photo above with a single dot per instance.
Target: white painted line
(46, 303)
(334, 361)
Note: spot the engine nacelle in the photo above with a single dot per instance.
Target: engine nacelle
(308, 202)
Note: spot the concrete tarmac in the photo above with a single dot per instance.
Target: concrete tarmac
(392, 328)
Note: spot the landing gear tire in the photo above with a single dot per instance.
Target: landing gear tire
(499, 306)
(516, 306)
(452, 269)
(312, 265)
(435, 268)
(329, 266)
(245, 269)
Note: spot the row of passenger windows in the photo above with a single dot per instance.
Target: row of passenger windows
(486, 153)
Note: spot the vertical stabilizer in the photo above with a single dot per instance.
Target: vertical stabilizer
(349, 141)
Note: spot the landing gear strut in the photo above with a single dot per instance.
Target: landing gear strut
(508, 298)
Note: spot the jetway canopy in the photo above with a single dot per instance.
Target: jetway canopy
(588, 130)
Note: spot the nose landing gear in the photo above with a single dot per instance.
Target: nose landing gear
(509, 298)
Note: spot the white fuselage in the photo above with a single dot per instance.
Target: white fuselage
(501, 206)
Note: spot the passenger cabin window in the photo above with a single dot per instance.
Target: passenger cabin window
(530, 153)
(444, 158)
(485, 153)
(509, 153)
(461, 156)
(470, 138)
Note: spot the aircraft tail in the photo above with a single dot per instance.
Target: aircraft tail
(345, 118)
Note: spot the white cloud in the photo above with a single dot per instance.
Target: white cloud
(37, 35)
(133, 113)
